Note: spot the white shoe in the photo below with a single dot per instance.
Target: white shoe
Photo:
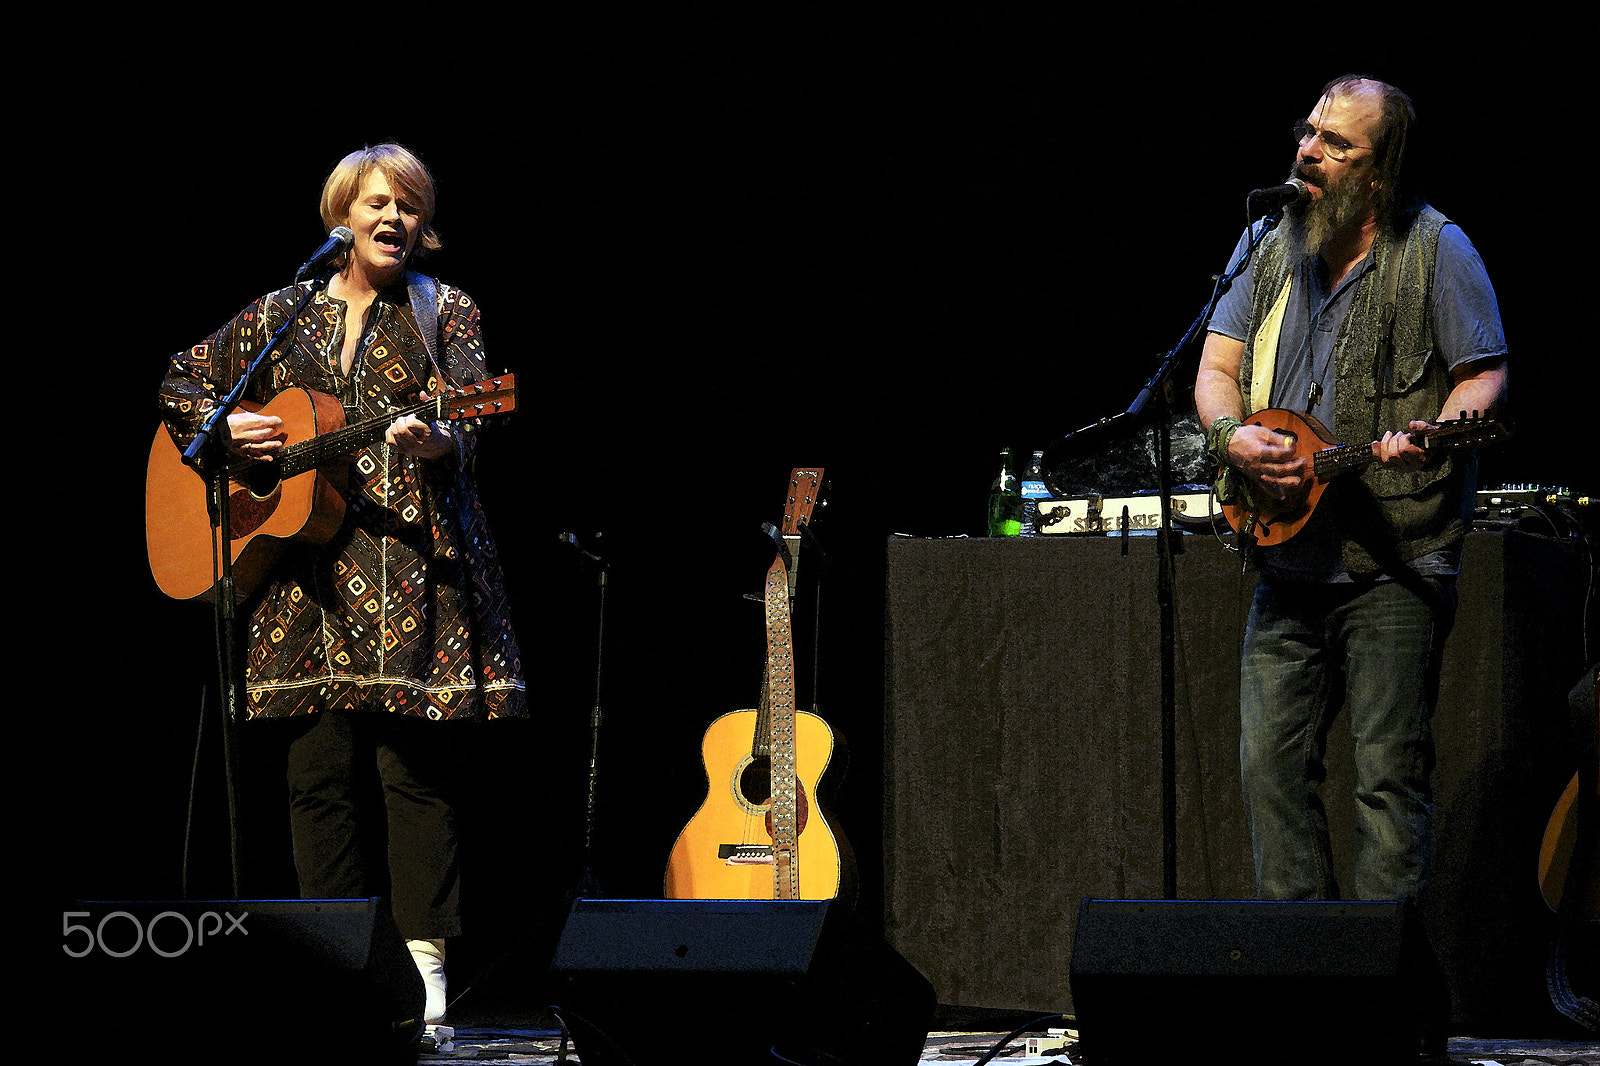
(437, 1040)
(429, 957)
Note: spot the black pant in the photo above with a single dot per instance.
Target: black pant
(346, 847)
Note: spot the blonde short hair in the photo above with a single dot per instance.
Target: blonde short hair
(405, 173)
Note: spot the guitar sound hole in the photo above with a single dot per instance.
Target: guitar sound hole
(755, 782)
(260, 478)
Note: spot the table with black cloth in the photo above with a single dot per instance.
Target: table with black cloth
(1023, 754)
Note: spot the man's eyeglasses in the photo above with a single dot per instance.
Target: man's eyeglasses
(1334, 145)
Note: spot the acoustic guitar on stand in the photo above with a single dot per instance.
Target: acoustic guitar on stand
(297, 495)
(1569, 868)
(760, 833)
(1272, 521)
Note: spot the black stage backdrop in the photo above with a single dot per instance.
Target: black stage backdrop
(714, 247)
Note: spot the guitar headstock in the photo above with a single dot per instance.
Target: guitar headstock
(492, 396)
(805, 495)
(1465, 432)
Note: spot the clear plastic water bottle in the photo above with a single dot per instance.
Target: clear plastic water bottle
(1033, 490)
(1005, 501)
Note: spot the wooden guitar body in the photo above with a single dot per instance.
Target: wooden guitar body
(725, 851)
(1559, 853)
(298, 495)
(1569, 871)
(1569, 852)
(265, 510)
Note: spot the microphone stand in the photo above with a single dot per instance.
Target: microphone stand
(587, 885)
(207, 455)
(1153, 405)
(587, 882)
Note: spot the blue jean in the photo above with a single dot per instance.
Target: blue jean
(1373, 649)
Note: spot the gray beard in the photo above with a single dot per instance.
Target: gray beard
(1310, 226)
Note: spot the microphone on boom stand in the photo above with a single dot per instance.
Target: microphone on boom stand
(1276, 197)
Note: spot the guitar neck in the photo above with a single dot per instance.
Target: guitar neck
(776, 722)
(492, 396)
(1345, 458)
(761, 742)
(1341, 459)
(802, 496)
(308, 454)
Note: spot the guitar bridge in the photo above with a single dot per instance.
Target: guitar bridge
(745, 854)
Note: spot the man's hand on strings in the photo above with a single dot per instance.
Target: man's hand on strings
(1267, 458)
(1399, 451)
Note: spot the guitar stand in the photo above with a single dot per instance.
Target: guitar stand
(809, 538)
(823, 562)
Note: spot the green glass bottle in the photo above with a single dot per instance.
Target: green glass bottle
(1005, 500)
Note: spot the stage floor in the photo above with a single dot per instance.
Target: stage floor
(536, 1047)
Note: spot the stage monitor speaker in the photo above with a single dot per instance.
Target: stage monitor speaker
(250, 981)
(1253, 982)
(663, 982)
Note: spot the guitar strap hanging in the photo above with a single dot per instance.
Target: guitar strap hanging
(424, 293)
(1383, 361)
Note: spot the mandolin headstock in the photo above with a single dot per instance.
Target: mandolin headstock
(1465, 432)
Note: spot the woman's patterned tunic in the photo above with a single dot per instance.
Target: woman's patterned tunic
(404, 610)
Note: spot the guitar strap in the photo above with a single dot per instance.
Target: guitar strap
(424, 294)
(1383, 361)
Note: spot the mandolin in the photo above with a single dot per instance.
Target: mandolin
(295, 496)
(1271, 521)
(759, 834)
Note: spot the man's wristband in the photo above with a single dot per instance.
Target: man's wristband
(1218, 436)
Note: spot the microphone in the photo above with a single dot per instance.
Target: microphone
(1276, 196)
(571, 541)
(339, 239)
